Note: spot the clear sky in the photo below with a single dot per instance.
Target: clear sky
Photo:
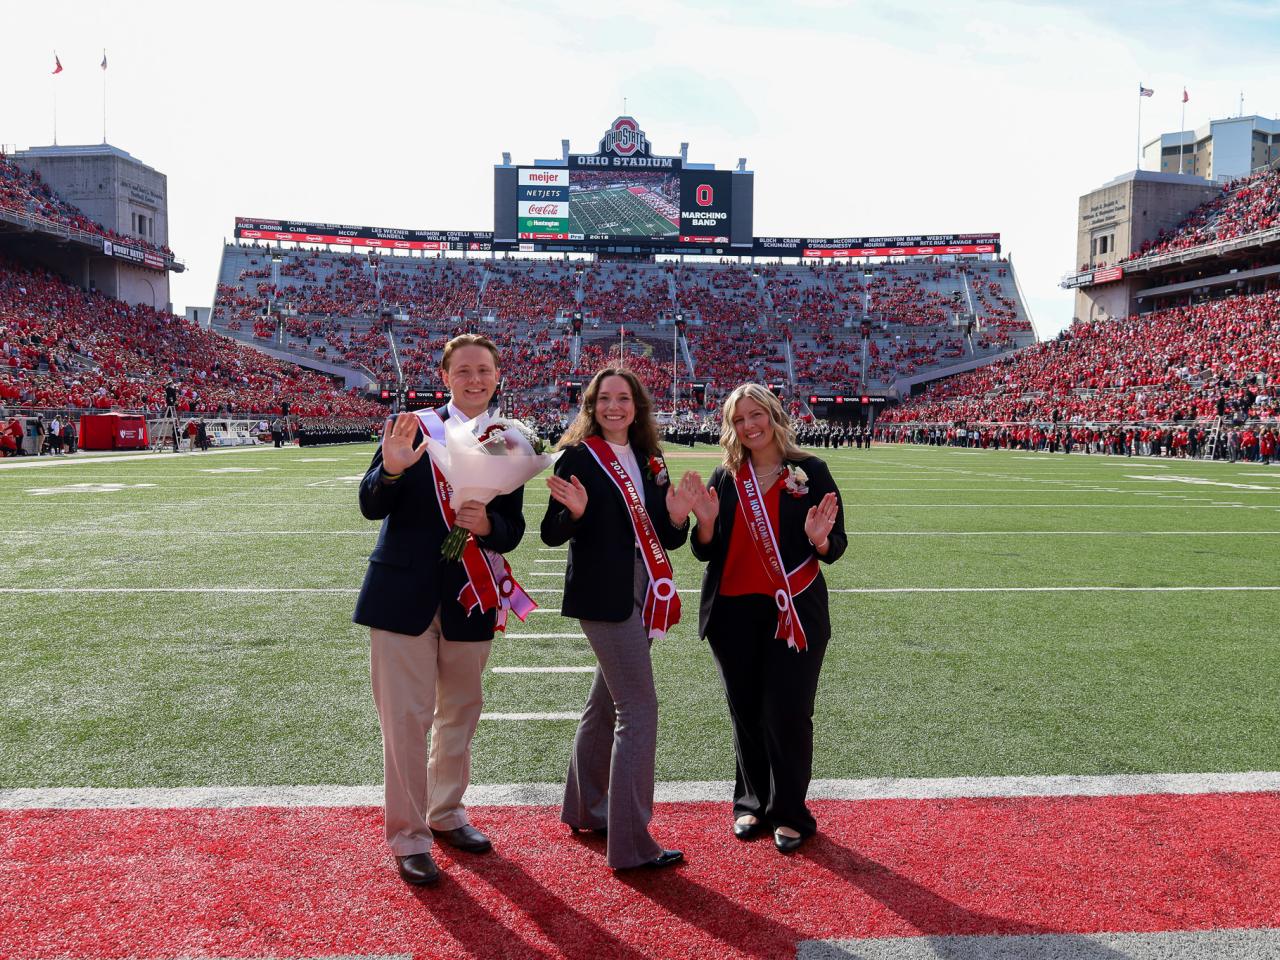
(857, 118)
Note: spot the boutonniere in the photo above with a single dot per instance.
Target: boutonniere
(657, 471)
(795, 481)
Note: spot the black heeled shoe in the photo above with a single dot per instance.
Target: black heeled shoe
(667, 858)
(787, 844)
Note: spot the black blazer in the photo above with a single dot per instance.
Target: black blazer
(599, 582)
(407, 581)
(811, 606)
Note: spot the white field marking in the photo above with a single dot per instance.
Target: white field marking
(83, 488)
(546, 636)
(319, 460)
(335, 481)
(523, 717)
(75, 459)
(552, 794)
(1251, 942)
(553, 549)
(544, 610)
(237, 469)
(561, 562)
(546, 573)
(1173, 478)
(542, 670)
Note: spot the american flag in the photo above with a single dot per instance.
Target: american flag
(1144, 91)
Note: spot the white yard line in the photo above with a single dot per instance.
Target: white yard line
(542, 670)
(546, 636)
(530, 716)
(550, 794)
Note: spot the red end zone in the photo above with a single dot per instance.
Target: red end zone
(308, 882)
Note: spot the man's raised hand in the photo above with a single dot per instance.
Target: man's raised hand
(398, 453)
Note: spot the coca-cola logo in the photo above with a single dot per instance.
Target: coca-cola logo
(543, 209)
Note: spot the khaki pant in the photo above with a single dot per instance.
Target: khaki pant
(421, 684)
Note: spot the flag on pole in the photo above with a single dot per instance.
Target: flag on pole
(104, 59)
(57, 64)
(1144, 91)
(1185, 98)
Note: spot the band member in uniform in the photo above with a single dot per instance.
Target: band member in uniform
(613, 502)
(431, 620)
(769, 515)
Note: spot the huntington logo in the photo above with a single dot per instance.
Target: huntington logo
(625, 138)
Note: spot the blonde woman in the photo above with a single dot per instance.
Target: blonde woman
(770, 515)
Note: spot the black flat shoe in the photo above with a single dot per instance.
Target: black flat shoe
(418, 869)
(749, 831)
(597, 831)
(667, 858)
(787, 844)
(465, 837)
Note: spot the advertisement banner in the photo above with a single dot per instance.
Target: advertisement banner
(543, 208)
(706, 206)
(390, 238)
(543, 177)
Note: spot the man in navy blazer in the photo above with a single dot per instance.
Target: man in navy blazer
(427, 654)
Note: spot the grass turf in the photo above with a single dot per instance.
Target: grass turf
(208, 687)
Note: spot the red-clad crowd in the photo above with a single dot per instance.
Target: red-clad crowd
(63, 347)
(1245, 206)
(1166, 365)
(26, 193)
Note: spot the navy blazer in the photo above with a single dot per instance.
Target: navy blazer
(811, 606)
(407, 581)
(599, 581)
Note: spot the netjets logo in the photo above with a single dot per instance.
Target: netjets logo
(624, 138)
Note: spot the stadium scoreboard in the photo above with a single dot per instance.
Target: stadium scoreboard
(624, 194)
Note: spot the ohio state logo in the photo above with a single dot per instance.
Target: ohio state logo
(625, 138)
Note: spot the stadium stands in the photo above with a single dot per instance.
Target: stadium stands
(1167, 365)
(791, 324)
(1245, 206)
(25, 193)
(61, 347)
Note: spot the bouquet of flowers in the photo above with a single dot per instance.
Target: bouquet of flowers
(483, 459)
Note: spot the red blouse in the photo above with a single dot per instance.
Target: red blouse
(744, 571)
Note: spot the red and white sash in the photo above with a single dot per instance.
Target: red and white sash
(661, 601)
(490, 584)
(786, 586)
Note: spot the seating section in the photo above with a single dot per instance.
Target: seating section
(1245, 206)
(27, 194)
(796, 325)
(1165, 365)
(63, 347)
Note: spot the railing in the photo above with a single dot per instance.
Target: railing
(44, 225)
(1203, 251)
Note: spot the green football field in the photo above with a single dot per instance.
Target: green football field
(618, 212)
(185, 620)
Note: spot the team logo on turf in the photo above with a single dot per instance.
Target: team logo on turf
(625, 138)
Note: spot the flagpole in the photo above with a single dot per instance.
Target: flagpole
(1138, 165)
(104, 95)
(1182, 130)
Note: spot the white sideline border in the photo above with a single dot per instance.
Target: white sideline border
(693, 791)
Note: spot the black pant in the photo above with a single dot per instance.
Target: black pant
(770, 688)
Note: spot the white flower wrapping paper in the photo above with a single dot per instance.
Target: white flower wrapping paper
(476, 473)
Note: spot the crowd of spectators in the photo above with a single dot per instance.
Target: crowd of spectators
(26, 193)
(1188, 363)
(1245, 206)
(65, 348)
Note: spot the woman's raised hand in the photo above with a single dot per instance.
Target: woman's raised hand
(569, 492)
(398, 454)
(707, 507)
(820, 519)
(682, 497)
